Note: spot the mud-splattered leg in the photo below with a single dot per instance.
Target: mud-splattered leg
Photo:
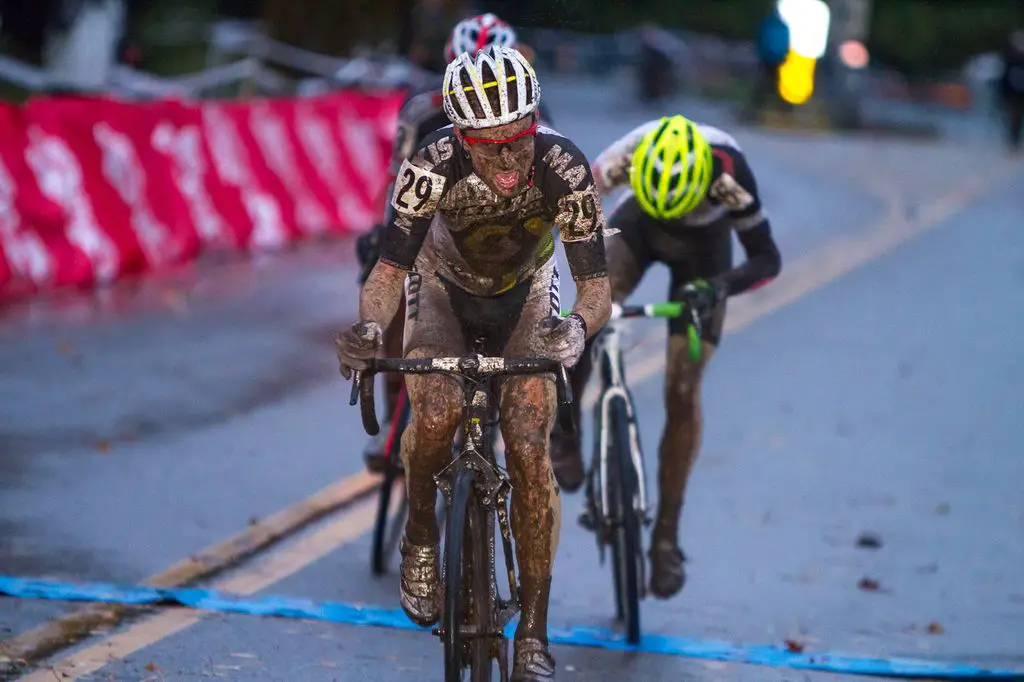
(432, 330)
(527, 407)
(680, 444)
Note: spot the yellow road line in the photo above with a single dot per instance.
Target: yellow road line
(60, 632)
(272, 568)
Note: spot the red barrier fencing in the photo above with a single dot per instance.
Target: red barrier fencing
(93, 189)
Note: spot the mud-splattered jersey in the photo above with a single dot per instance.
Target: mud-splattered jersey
(733, 193)
(446, 216)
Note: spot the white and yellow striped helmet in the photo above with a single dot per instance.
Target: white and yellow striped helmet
(469, 78)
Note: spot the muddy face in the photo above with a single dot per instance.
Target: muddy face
(503, 165)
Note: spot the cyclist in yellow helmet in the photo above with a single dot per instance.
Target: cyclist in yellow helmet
(690, 187)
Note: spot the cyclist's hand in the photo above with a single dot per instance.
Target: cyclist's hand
(703, 295)
(563, 339)
(356, 345)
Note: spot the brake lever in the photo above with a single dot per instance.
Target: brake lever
(357, 377)
(564, 390)
(567, 390)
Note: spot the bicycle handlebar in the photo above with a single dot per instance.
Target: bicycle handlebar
(471, 367)
(668, 310)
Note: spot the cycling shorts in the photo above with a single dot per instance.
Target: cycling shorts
(688, 252)
(446, 320)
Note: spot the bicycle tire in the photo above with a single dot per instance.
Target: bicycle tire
(456, 525)
(626, 536)
(384, 543)
(483, 589)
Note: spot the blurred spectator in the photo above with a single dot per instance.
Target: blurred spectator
(1012, 87)
(82, 43)
(431, 23)
(656, 63)
(772, 49)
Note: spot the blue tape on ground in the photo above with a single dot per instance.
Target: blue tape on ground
(374, 616)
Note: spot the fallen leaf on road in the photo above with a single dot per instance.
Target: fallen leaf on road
(868, 584)
(935, 628)
(151, 667)
(868, 540)
(794, 647)
(103, 446)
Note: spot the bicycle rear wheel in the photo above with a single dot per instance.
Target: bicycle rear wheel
(626, 557)
(386, 535)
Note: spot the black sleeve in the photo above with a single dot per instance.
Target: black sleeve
(764, 262)
(421, 183)
(416, 110)
(736, 189)
(563, 174)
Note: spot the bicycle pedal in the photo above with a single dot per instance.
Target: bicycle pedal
(586, 520)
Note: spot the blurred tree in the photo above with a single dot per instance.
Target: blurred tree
(331, 27)
(336, 27)
(24, 26)
(924, 37)
(920, 37)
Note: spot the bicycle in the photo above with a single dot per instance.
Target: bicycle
(476, 490)
(616, 494)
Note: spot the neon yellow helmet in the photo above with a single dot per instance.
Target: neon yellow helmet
(671, 169)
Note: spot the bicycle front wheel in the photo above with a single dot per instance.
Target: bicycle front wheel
(388, 529)
(626, 546)
(467, 580)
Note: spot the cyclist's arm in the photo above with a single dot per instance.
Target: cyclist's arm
(569, 188)
(419, 187)
(736, 189)
(611, 167)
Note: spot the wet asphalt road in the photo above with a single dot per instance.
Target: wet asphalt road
(137, 432)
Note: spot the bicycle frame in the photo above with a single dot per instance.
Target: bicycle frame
(611, 364)
(493, 485)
